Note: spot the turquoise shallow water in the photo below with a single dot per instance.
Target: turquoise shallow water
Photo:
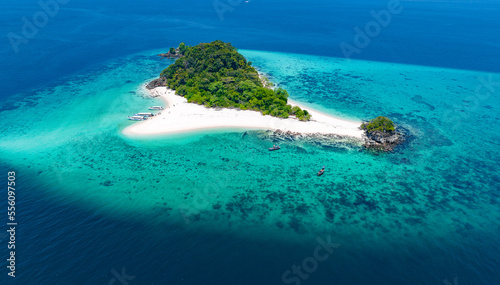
(188, 210)
(442, 185)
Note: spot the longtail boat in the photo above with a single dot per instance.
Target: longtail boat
(274, 148)
(321, 171)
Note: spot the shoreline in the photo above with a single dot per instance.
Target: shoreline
(179, 116)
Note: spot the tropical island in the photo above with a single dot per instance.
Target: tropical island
(216, 75)
(211, 85)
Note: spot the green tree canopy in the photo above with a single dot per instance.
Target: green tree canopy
(380, 123)
(216, 75)
(182, 48)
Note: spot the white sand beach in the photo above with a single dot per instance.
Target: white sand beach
(181, 116)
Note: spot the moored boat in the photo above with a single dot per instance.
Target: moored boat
(276, 147)
(145, 114)
(156, 108)
(321, 171)
(137, 118)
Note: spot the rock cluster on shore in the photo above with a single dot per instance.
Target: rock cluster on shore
(324, 140)
(171, 55)
(162, 81)
(384, 141)
(381, 134)
(376, 140)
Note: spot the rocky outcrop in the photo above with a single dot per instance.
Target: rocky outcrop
(162, 81)
(171, 55)
(383, 141)
(323, 140)
(377, 140)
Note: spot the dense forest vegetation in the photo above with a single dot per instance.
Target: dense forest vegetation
(380, 123)
(216, 75)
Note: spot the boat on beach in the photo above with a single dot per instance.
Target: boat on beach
(145, 114)
(321, 171)
(137, 118)
(156, 108)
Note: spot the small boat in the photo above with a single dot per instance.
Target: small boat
(145, 114)
(276, 147)
(321, 171)
(137, 118)
(156, 108)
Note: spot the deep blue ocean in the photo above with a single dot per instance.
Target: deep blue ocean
(95, 222)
